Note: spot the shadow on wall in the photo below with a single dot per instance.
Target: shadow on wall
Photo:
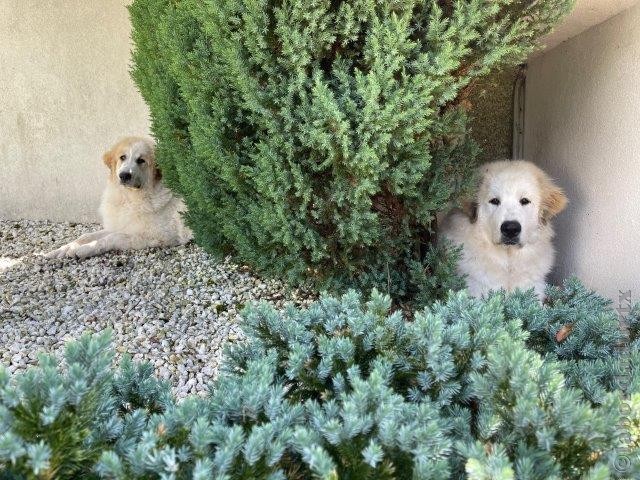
(492, 115)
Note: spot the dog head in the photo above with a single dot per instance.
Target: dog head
(515, 201)
(132, 163)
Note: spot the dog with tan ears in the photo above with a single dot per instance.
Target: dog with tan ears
(137, 210)
(505, 231)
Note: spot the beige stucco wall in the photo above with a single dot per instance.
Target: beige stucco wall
(583, 126)
(65, 95)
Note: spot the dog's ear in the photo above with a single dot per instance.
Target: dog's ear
(157, 174)
(109, 159)
(470, 209)
(553, 198)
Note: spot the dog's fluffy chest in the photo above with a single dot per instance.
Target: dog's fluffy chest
(488, 266)
(151, 213)
(491, 267)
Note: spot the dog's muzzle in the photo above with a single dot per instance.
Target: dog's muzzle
(126, 179)
(510, 232)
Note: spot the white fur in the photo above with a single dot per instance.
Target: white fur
(487, 262)
(132, 218)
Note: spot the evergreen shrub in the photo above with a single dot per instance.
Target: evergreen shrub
(348, 389)
(316, 139)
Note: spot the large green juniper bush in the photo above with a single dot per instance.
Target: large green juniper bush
(316, 139)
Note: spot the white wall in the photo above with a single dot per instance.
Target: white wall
(582, 125)
(585, 14)
(65, 95)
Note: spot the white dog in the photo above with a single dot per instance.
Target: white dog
(505, 232)
(137, 210)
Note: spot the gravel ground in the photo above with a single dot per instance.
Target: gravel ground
(175, 308)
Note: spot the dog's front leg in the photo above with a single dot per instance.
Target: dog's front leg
(112, 241)
(68, 249)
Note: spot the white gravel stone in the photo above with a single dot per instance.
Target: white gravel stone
(174, 307)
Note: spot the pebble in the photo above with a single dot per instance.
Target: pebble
(175, 307)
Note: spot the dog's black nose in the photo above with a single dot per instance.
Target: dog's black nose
(125, 177)
(510, 229)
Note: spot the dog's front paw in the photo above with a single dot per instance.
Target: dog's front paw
(59, 252)
(73, 250)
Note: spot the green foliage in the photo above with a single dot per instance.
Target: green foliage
(588, 354)
(56, 421)
(347, 389)
(316, 139)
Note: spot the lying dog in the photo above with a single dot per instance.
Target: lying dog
(137, 210)
(505, 232)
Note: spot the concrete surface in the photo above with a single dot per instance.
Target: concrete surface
(582, 125)
(65, 96)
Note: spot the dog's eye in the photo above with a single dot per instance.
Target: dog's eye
(524, 201)
(494, 201)
(140, 161)
(123, 157)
